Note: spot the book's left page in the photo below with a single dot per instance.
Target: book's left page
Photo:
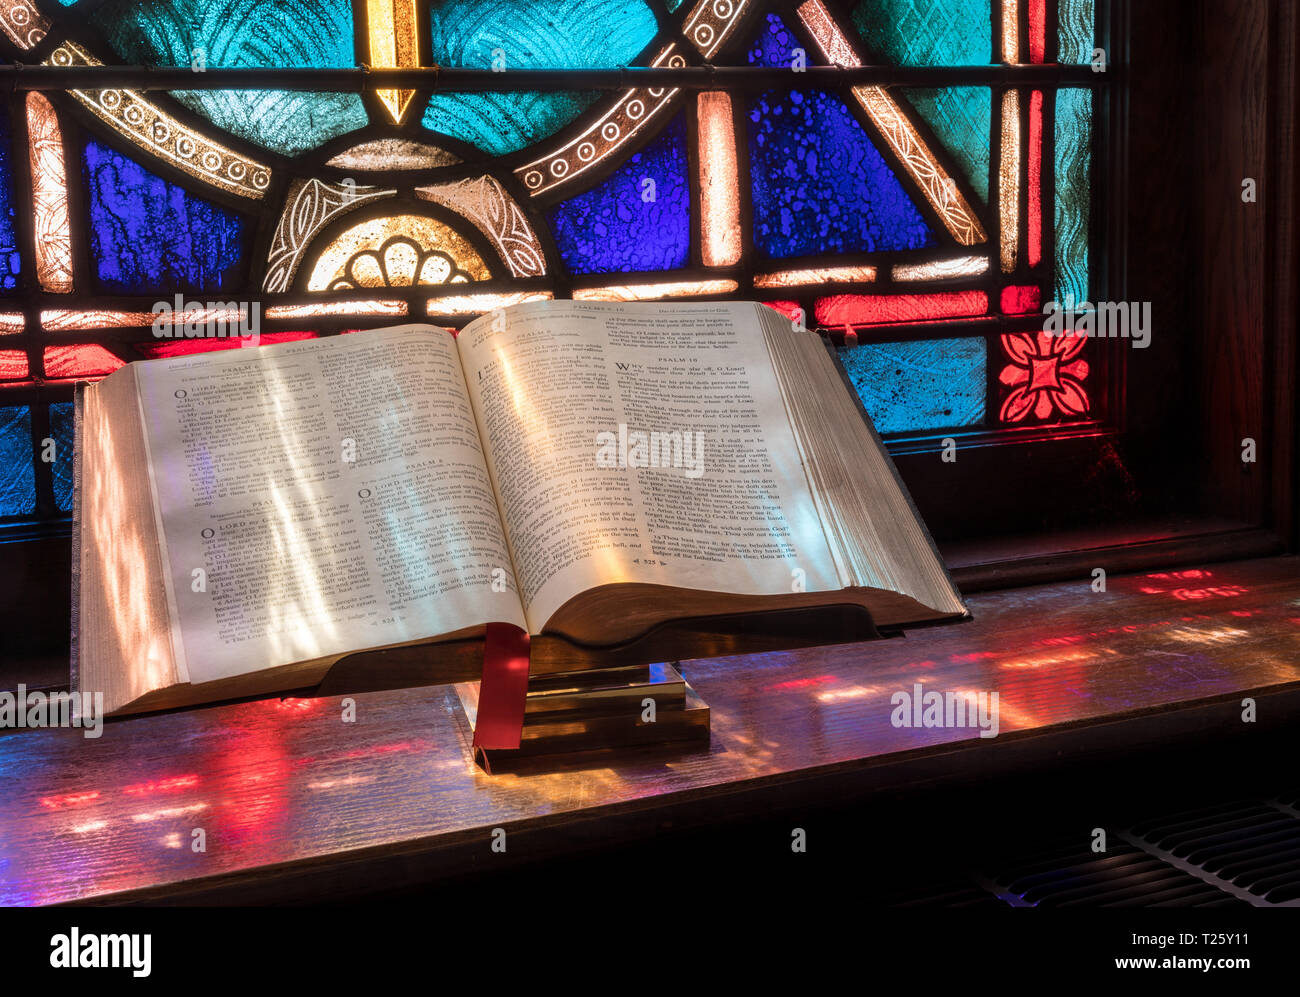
(320, 497)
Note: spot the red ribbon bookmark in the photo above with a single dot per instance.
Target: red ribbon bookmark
(503, 689)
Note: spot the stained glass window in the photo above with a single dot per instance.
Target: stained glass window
(919, 214)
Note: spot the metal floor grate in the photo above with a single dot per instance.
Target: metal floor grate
(1237, 853)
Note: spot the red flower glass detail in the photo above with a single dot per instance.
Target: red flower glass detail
(1045, 376)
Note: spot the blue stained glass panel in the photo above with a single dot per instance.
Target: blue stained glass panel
(920, 385)
(298, 34)
(637, 219)
(521, 34)
(61, 424)
(927, 32)
(1073, 194)
(819, 183)
(17, 476)
(10, 261)
(148, 235)
(774, 47)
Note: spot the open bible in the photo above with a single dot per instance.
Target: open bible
(585, 471)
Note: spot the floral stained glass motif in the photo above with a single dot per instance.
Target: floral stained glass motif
(1045, 374)
(396, 251)
(150, 236)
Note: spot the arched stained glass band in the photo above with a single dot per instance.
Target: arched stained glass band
(921, 224)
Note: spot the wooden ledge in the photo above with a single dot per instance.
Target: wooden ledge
(297, 805)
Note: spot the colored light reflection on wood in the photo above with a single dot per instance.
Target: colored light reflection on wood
(1034, 250)
(1009, 180)
(861, 309)
(816, 275)
(49, 196)
(394, 44)
(719, 184)
(926, 171)
(272, 786)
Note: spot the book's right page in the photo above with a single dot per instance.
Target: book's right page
(642, 443)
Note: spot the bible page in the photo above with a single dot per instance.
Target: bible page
(642, 443)
(321, 497)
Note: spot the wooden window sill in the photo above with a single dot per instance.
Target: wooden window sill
(297, 805)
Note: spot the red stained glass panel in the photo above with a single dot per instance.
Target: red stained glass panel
(1035, 250)
(883, 309)
(80, 360)
(13, 365)
(1021, 300)
(184, 347)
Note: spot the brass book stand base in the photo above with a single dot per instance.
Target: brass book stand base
(599, 709)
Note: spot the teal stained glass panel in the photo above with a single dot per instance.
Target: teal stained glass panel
(1073, 193)
(927, 32)
(61, 421)
(960, 117)
(299, 34)
(564, 34)
(928, 384)
(1075, 31)
(17, 476)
